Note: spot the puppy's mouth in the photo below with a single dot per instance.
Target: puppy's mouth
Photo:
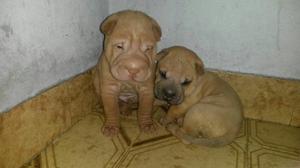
(174, 101)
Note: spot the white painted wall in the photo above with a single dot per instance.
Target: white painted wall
(256, 36)
(43, 42)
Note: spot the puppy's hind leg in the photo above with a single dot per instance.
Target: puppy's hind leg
(177, 132)
(204, 125)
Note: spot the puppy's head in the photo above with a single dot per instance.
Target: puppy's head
(177, 71)
(130, 44)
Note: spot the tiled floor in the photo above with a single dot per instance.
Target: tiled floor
(259, 145)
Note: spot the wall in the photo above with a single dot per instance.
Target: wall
(258, 36)
(45, 42)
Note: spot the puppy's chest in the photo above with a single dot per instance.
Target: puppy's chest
(128, 93)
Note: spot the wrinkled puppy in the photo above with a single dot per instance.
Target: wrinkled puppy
(204, 109)
(126, 69)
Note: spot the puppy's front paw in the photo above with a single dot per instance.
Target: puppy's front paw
(148, 127)
(172, 128)
(165, 121)
(110, 130)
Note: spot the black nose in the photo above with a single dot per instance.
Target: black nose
(169, 93)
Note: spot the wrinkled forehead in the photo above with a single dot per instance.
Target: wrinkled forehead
(178, 65)
(134, 29)
(176, 60)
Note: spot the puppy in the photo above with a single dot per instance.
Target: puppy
(126, 69)
(204, 109)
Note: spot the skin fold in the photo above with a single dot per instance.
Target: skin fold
(124, 76)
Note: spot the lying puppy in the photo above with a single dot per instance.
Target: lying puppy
(206, 109)
(126, 69)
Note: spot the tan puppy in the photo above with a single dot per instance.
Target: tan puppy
(126, 68)
(206, 109)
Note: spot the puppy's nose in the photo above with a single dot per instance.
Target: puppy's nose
(134, 66)
(133, 71)
(169, 93)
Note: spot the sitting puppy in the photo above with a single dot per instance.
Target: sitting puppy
(125, 72)
(206, 109)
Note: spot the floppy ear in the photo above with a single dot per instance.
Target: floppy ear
(108, 25)
(199, 67)
(162, 54)
(156, 30)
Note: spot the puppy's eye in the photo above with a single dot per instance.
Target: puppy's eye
(119, 46)
(149, 48)
(186, 82)
(163, 74)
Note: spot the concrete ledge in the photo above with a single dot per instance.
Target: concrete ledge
(265, 98)
(27, 128)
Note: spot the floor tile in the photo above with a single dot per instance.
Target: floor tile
(273, 145)
(259, 145)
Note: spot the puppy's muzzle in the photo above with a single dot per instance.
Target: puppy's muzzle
(169, 94)
(168, 91)
(136, 69)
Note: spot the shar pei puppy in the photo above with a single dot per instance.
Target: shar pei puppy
(124, 75)
(204, 109)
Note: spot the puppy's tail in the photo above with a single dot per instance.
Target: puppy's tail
(210, 142)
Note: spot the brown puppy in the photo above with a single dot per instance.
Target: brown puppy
(126, 68)
(207, 110)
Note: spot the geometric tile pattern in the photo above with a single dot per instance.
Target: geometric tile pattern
(272, 145)
(259, 145)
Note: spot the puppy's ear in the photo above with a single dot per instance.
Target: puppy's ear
(156, 30)
(199, 67)
(108, 25)
(162, 54)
